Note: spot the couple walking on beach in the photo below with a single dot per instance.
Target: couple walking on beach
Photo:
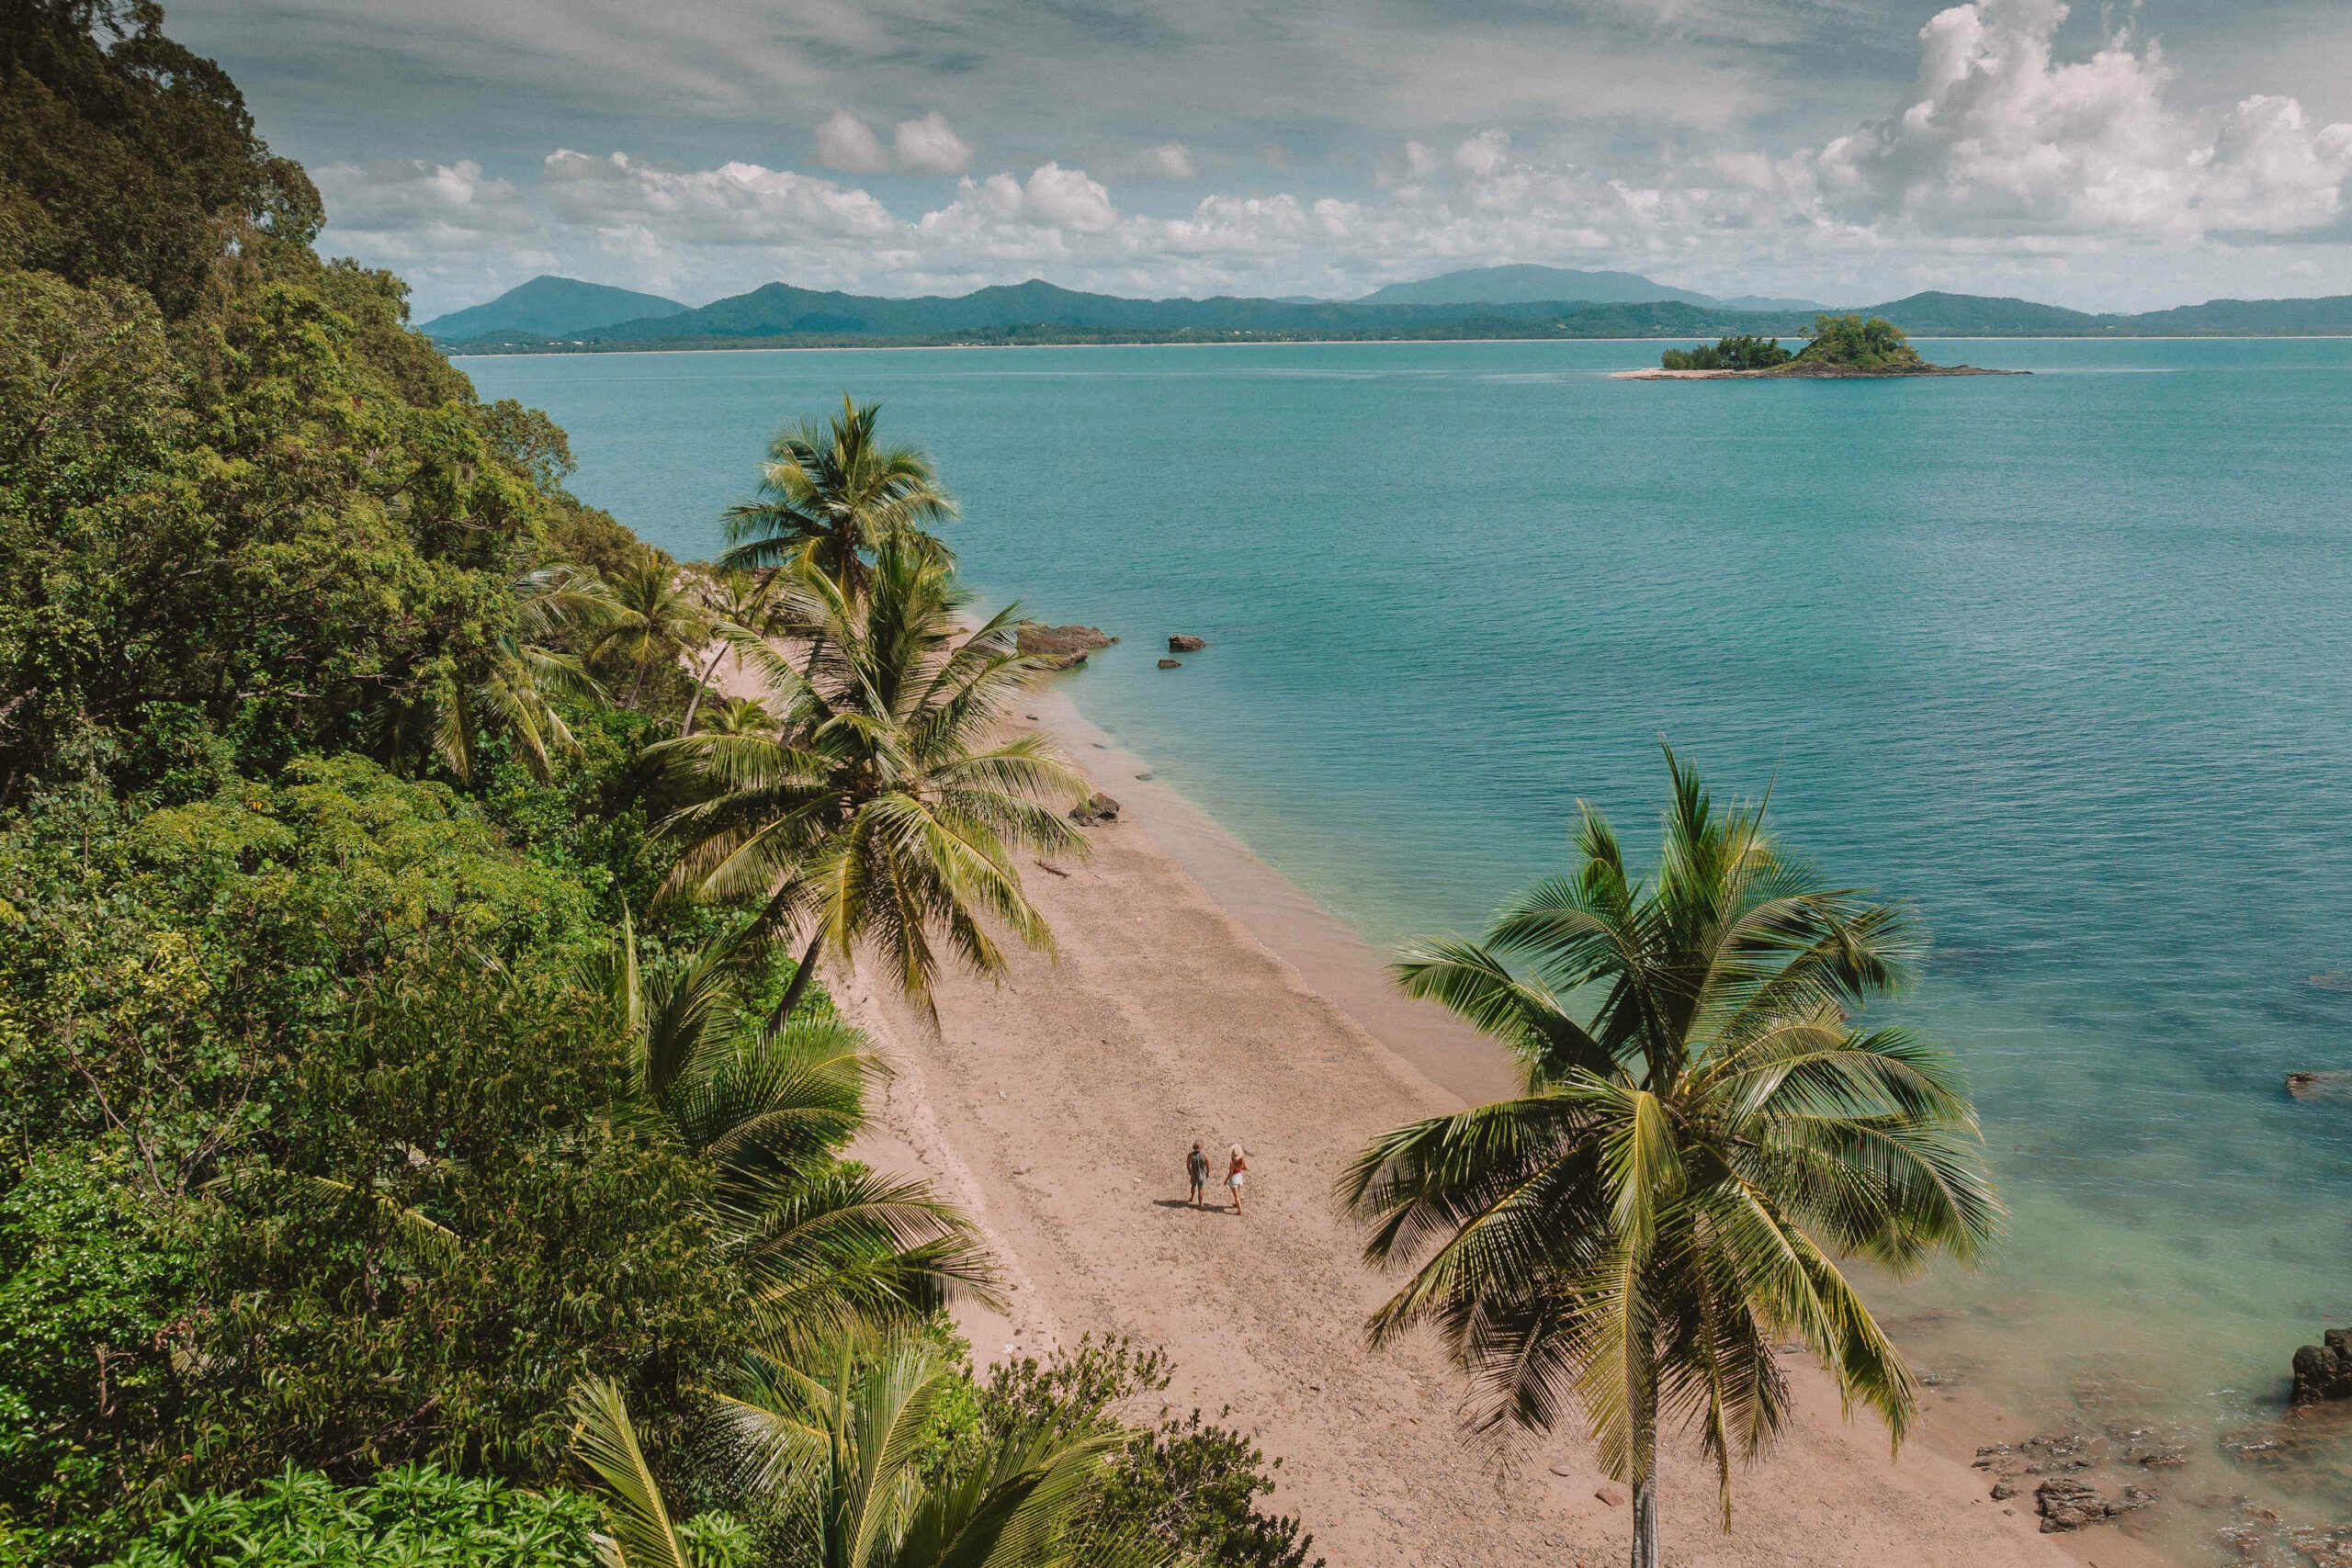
(1237, 1174)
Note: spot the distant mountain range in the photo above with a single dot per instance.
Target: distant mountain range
(551, 307)
(779, 315)
(1542, 285)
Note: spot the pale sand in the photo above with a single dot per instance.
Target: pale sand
(1058, 1108)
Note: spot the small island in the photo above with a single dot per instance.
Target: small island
(1837, 347)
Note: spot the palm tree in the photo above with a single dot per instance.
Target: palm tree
(739, 602)
(738, 716)
(844, 1443)
(1670, 1194)
(883, 811)
(654, 617)
(834, 494)
(823, 1244)
(511, 687)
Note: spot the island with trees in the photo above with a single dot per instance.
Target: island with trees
(1837, 347)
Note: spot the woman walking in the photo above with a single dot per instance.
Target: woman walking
(1237, 1174)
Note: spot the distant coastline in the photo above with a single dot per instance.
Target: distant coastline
(1035, 314)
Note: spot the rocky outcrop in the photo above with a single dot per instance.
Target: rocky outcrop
(2066, 1502)
(2320, 1085)
(1172, 664)
(1186, 644)
(2323, 1371)
(1061, 648)
(1096, 808)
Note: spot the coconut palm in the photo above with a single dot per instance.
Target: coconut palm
(822, 1244)
(654, 617)
(1699, 1143)
(842, 1445)
(885, 811)
(835, 494)
(738, 716)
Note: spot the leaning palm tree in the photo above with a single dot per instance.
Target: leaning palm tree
(1698, 1145)
(885, 811)
(822, 1244)
(842, 1445)
(654, 617)
(834, 494)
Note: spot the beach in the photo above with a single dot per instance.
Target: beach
(1058, 1107)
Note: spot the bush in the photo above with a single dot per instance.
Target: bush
(1738, 353)
(416, 1517)
(1875, 345)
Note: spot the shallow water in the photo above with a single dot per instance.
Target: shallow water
(2063, 660)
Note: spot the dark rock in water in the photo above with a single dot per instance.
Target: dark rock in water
(2320, 1085)
(2323, 1371)
(1062, 648)
(2066, 1504)
(1186, 644)
(1096, 808)
(1172, 664)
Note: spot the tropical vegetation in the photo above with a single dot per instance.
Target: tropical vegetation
(1849, 341)
(1705, 1136)
(377, 1092)
(1739, 352)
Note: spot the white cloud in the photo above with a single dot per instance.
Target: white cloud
(427, 204)
(925, 146)
(930, 146)
(1483, 153)
(1998, 137)
(736, 204)
(845, 143)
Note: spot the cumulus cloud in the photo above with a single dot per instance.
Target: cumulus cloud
(1997, 136)
(925, 146)
(844, 142)
(930, 146)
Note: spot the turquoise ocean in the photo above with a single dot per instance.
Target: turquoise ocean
(2065, 660)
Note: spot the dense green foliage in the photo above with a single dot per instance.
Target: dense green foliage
(1851, 342)
(365, 1100)
(415, 1515)
(1738, 353)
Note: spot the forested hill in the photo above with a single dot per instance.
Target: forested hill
(778, 314)
(380, 1156)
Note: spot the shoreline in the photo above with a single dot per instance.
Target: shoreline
(1198, 994)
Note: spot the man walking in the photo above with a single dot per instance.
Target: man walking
(1197, 1167)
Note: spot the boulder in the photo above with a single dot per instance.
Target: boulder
(2320, 1085)
(2067, 1504)
(2323, 1371)
(1096, 808)
(1172, 664)
(1061, 648)
(1186, 644)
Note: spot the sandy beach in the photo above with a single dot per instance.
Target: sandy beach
(1058, 1107)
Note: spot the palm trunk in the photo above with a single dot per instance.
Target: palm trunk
(792, 993)
(700, 682)
(1645, 1521)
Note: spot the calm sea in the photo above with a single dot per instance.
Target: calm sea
(2064, 660)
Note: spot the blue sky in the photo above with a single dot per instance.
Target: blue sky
(1847, 149)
